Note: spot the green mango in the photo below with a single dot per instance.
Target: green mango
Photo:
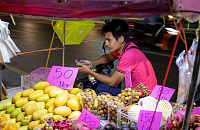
(20, 116)
(7, 116)
(5, 103)
(16, 112)
(26, 120)
(18, 124)
(23, 127)
(10, 108)
(43, 98)
(2, 112)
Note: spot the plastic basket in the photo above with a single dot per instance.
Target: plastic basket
(75, 31)
(27, 81)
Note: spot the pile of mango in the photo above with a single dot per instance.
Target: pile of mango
(29, 108)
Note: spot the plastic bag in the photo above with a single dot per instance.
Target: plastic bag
(185, 71)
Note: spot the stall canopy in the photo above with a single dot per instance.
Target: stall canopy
(98, 8)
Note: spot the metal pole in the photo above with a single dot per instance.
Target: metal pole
(1, 98)
(192, 88)
(63, 58)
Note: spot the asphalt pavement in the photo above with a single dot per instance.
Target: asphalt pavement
(36, 34)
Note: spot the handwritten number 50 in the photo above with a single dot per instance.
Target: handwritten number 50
(59, 72)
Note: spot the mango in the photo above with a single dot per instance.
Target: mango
(26, 92)
(33, 107)
(16, 97)
(61, 99)
(95, 104)
(38, 126)
(74, 114)
(38, 113)
(50, 102)
(5, 103)
(23, 127)
(16, 112)
(18, 124)
(62, 111)
(32, 124)
(12, 120)
(54, 92)
(2, 112)
(7, 116)
(20, 102)
(27, 104)
(76, 98)
(43, 98)
(45, 116)
(51, 108)
(74, 104)
(35, 94)
(48, 89)
(74, 91)
(41, 85)
(10, 108)
(26, 120)
(57, 118)
(20, 116)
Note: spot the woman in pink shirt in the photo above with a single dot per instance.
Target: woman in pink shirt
(116, 33)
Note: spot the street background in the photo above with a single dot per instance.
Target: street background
(36, 34)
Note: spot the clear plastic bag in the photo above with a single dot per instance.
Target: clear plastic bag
(185, 72)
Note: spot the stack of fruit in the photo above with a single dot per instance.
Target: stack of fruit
(29, 108)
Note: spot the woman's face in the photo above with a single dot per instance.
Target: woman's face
(112, 44)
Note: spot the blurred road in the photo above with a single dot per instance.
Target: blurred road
(36, 34)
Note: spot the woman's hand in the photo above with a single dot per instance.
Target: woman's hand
(87, 63)
(83, 68)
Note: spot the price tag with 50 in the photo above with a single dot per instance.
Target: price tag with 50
(145, 119)
(62, 77)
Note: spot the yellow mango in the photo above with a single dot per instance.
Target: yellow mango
(54, 92)
(26, 92)
(18, 124)
(43, 98)
(37, 127)
(20, 102)
(16, 112)
(48, 89)
(51, 108)
(57, 118)
(32, 124)
(62, 111)
(33, 107)
(61, 99)
(23, 127)
(26, 120)
(27, 104)
(74, 105)
(16, 97)
(45, 116)
(74, 91)
(10, 108)
(41, 85)
(74, 114)
(20, 116)
(12, 120)
(49, 103)
(35, 94)
(2, 112)
(7, 116)
(5, 103)
(38, 113)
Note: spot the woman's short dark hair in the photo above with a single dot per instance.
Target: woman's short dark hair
(118, 28)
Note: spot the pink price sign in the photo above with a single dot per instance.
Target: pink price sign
(62, 77)
(89, 119)
(145, 119)
(128, 80)
(197, 110)
(166, 92)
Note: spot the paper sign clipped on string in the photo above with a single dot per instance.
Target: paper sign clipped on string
(62, 77)
(166, 92)
(128, 80)
(145, 119)
(197, 110)
(89, 119)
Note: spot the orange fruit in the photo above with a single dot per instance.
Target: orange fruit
(3, 120)
(10, 126)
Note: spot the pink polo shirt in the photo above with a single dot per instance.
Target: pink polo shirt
(140, 66)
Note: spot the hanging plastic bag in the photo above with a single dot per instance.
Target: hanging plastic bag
(185, 72)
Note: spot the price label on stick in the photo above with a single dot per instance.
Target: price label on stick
(62, 77)
(145, 119)
(89, 119)
(166, 92)
(197, 110)
(128, 80)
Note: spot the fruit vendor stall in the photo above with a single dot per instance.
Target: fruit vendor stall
(48, 106)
